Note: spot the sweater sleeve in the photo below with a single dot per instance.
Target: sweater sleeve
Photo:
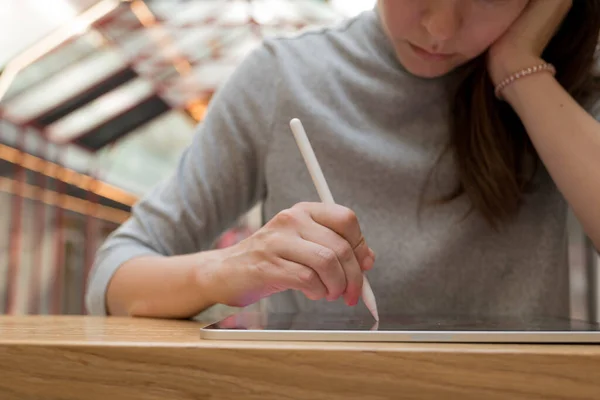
(218, 178)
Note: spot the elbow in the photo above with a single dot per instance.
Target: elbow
(101, 299)
(137, 309)
(117, 304)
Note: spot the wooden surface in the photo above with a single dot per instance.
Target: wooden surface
(111, 358)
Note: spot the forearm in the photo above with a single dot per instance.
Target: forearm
(162, 287)
(567, 140)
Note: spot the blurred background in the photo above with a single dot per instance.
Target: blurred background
(98, 98)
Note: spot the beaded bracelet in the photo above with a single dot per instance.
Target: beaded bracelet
(545, 67)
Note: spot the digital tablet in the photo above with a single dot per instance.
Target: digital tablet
(253, 325)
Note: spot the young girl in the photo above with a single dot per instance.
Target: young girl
(460, 195)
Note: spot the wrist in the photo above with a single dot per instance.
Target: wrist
(207, 277)
(501, 66)
(523, 88)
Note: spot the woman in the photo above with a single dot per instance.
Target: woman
(461, 195)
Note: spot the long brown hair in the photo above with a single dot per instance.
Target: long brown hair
(491, 148)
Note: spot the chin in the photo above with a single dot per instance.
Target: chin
(428, 69)
(429, 73)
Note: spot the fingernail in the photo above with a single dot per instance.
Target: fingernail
(368, 263)
(372, 253)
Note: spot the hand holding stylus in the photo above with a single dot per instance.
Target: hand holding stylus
(315, 248)
(326, 197)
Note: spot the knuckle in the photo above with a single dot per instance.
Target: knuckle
(349, 217)
(302, 206)
(287, 217)
(308, 277)
(345, 251)
(326, 258)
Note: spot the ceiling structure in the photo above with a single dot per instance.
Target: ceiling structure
(122, 90)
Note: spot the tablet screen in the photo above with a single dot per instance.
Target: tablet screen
(332, 322)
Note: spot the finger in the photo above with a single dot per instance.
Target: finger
(350, 283)
(318, 257)
(365, 255)
(341, 220)
(244, 320)
(299, 277)
(369, 261)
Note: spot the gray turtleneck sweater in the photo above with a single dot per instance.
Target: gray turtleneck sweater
(377, 131)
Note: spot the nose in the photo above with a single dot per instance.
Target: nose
(442, 20)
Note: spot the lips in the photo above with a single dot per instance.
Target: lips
(428, 55)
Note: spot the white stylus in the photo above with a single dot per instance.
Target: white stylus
(326, 197)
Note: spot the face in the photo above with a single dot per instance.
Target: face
(433, 37)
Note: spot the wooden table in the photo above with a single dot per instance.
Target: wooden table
(116, 358)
